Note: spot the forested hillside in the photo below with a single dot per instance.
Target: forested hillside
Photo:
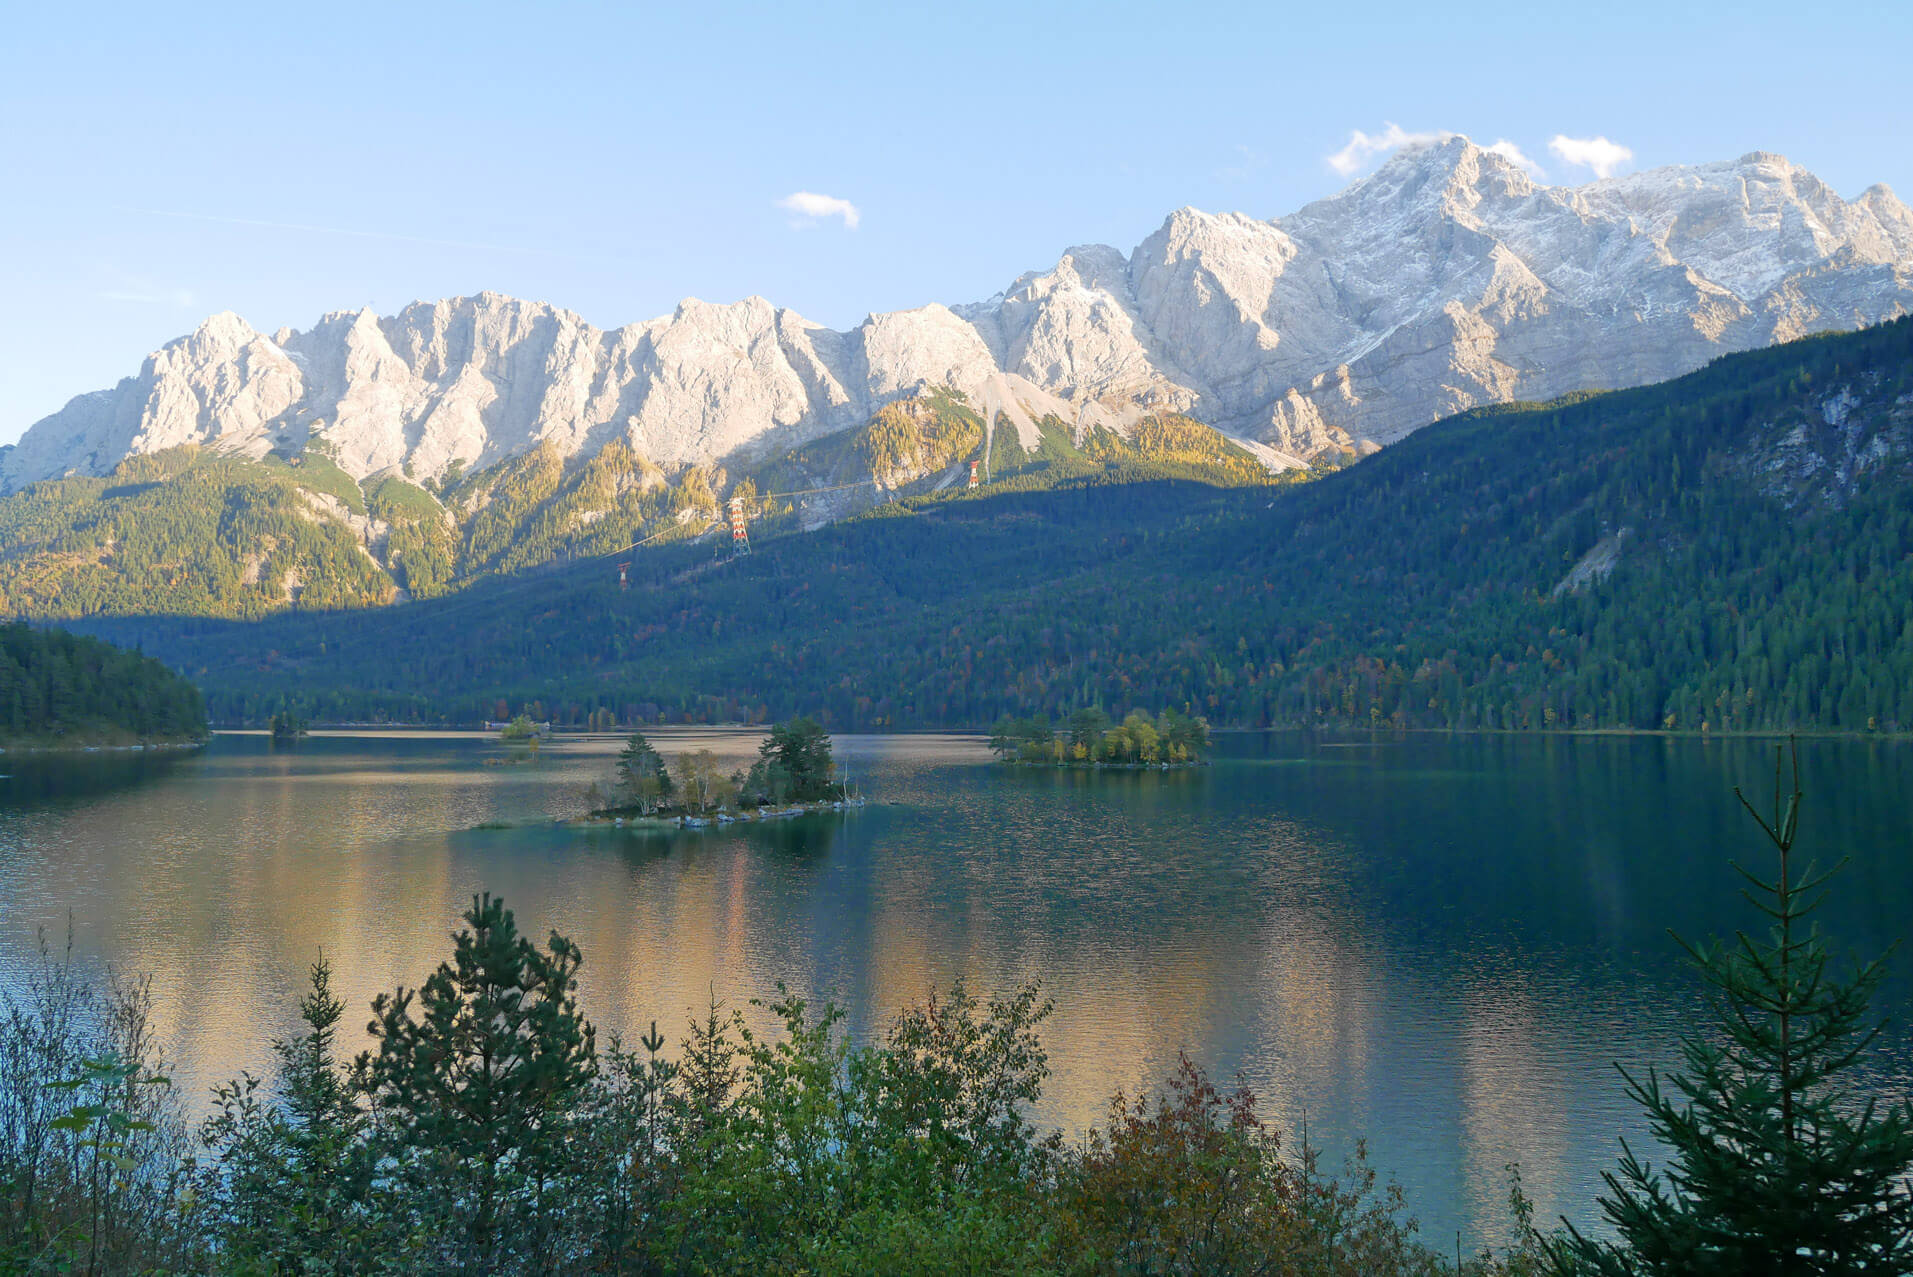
(187, 533)
(1726, 551)
(192, 532)
(65, 689)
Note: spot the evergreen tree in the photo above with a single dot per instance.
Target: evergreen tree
(643, 779)
(1777, 1166)
(476, 1078)
(291, 1184)
(318, 1099)
(794, 762)
(1086, 728)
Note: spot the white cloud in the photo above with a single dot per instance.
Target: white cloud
(1510, 152)
(1363, 147)
(1595, 153)
(812, 207)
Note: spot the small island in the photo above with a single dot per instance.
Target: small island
(1090, 738)
(522, 737)
(522, 731)
(286, 726)
(794, 773)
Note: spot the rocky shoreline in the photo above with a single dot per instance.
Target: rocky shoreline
(717, 818)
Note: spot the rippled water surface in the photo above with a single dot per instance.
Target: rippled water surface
(1441, 944)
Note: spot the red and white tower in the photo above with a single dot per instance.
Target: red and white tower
(740, 535)
(973, 474)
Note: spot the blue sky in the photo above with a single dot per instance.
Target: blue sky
(165, 162)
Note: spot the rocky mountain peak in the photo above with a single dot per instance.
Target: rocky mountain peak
(1095, 267)
(1446, 278)
(223, 331)
(1439, 178)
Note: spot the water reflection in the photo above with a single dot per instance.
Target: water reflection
(29, 781)
(1440, 944)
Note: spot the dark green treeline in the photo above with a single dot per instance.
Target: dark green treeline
(65, 689)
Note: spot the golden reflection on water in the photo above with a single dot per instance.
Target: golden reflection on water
(1515, 1091)
(225, 889)
(1237, 913)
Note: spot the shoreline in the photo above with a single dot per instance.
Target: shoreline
(140, 747)
(574, 733)
(1671, 733)
(1086, 766)
(715, 819)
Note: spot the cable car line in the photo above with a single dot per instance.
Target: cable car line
(805, 492)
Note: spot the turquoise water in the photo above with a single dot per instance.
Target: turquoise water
(1439, 944)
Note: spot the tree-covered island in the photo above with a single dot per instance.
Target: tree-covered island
(1090, 738)
(794, 770)
(520, 731)
(286, 726)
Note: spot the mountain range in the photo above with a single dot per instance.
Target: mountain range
(1729, 551)
(1445, 280)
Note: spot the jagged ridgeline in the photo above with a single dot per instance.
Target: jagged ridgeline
(1731, 550)
(67, 690)
(195, 532)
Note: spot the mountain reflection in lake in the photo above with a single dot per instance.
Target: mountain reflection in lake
(1440, 943)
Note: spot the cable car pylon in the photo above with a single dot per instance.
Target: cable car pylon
(740, 534)
(740, 526)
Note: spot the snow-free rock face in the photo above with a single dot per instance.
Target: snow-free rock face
(1446, 279)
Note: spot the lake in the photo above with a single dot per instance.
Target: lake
(1441, 944)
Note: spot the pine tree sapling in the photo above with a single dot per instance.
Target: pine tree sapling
(292, 1183)
(478, 1075)
(1777, 1164)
